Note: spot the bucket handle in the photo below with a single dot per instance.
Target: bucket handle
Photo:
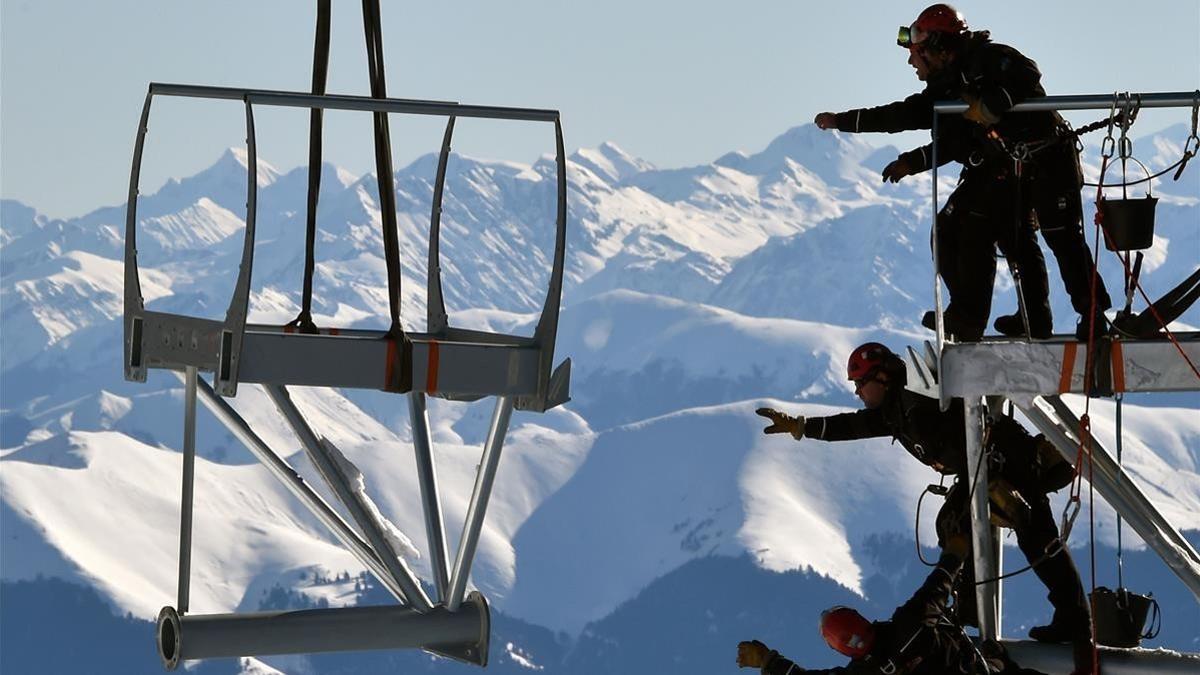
(1149, 177)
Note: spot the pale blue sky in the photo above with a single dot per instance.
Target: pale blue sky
(675, 82)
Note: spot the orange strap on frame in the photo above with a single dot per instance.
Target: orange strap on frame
(1068, 366)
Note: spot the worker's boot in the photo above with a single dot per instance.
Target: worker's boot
(1097, 329)
(1011, 325)
(1072, 620)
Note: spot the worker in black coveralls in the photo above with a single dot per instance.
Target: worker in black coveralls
(917, 640)
(1000, 199)
(1022, 470)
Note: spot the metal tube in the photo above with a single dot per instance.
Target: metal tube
(1052, 417)
(435, 529)
(350, 499)
(463, 633)
(229, 417)
(981, 527)
(939, 319)
(479, 500)
(360, 103)
(1175, 99)
(189, 482)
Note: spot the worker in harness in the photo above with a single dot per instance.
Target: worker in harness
(1021, 173)
(1022, 470)
(918, 639)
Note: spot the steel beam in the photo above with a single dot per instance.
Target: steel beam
(1058, 658)
(1054, 419)
(463, 633)
(982, 542)
(189, 483)
(484, 480)
(352, 500)
(435, 529)
(360, 103)
(1177, 99)
(278, 468)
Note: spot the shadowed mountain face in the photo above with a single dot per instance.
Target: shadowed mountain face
(644, 526)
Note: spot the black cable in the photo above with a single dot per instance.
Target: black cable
(303, 322)
(372, 32)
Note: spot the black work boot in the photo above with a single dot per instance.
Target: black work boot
(1098, 330)
(956, 328)
(1011, 325)
(1072, 620)
(1058, 630)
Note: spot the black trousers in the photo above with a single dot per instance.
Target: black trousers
(1055, 180)
(990, 209)
(1013, 457)
(1003, 206)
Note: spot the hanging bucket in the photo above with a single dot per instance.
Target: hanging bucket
(1120, 617)
(1128, 223)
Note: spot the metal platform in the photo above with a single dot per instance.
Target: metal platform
(444, 361)
(1022, 370)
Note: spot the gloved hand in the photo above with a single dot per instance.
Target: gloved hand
(899, 168)
(782, 423)
(752, 654)
(978, 113)
(825, 120)
(957, 545)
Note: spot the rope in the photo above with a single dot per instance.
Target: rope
(372, 32)
(303, 322)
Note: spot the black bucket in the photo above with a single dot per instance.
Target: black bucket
(1128, 223)
(1120, 616)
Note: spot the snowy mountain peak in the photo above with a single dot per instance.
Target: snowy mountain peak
(610, 162)
(239, 159)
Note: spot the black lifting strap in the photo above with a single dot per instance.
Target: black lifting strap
(303, 322)
(399, 378)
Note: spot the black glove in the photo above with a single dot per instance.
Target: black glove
(782, 423)
(752, 654)
(826, 120)
(899, 168)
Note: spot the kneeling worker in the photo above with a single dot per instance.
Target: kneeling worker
(917, 640)
(1021, 468)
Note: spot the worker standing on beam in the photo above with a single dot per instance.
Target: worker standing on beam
(1022, 470)
(1021, 173)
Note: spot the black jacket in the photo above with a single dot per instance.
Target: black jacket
(938, 439)
(998, 75)
(915, 641)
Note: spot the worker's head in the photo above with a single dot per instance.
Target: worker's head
(874, 369)
(933, 39)
(847, 632)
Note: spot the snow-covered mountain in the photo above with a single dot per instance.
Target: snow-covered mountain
(693, 296)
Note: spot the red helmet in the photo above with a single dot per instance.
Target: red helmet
(866, 359)
(847, 632)
(932, 23)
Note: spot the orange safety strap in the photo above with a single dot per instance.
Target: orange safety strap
(1068, 367)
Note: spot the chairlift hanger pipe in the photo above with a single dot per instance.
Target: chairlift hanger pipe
(1085, 102)
(360, 103)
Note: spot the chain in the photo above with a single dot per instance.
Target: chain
(1192, 145)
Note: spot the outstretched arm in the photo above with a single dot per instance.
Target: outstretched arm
(914, 112)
